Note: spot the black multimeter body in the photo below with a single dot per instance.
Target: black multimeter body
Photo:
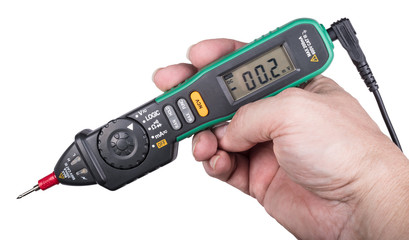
(147, 137)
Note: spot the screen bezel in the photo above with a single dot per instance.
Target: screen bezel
(226, 90)
(251, 61)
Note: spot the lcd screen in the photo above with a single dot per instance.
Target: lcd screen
(258, 73)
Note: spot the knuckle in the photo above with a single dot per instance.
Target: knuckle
(292, 92)
(322, 85)
(292, 96)
(292, 101)
(239, 118)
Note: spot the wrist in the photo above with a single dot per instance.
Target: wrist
(382, 203)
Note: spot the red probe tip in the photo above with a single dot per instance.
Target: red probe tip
(43, 184)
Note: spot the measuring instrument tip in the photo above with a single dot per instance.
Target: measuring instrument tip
(43, 184)
(35, 188)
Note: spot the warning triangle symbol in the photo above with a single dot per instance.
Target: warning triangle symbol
(130, 126)
(314, 58)
(61, 176)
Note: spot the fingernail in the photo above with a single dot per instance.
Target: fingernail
(220, 131)
(154, 73)
(195, 141)
(213, 162)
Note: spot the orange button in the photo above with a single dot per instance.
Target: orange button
(161, 143)
(199, 104)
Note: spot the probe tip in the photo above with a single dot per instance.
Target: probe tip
(35, 188)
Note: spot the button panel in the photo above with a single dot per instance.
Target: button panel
(186, 112)
(199, 104)
(172, 117)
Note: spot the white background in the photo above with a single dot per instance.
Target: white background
(70, 65)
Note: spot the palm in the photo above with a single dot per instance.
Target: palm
(300, 211)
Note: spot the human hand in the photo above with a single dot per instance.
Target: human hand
(312, 157)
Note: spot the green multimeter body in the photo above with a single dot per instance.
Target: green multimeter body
(147, 137)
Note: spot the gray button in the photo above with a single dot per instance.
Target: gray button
(170, 112)
(186, 112)
(173, 119)
(175, 123)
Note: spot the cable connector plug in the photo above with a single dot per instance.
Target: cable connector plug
(345, 33)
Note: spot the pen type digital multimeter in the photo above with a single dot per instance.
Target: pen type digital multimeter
(147, 137)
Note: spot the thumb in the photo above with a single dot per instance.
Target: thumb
(262, 120)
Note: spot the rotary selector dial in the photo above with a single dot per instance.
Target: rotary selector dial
(123, 143)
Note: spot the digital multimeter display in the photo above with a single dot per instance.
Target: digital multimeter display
(258, 73)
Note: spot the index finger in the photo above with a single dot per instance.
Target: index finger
(207, 51)
(200, 54)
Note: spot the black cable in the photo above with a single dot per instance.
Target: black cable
(345, 33)
(386, 118)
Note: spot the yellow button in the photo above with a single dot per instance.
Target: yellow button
(199, 104)
(161, 143)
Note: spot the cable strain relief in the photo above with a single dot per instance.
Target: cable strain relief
(332, 34)
(366, 74)
(48, 181)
